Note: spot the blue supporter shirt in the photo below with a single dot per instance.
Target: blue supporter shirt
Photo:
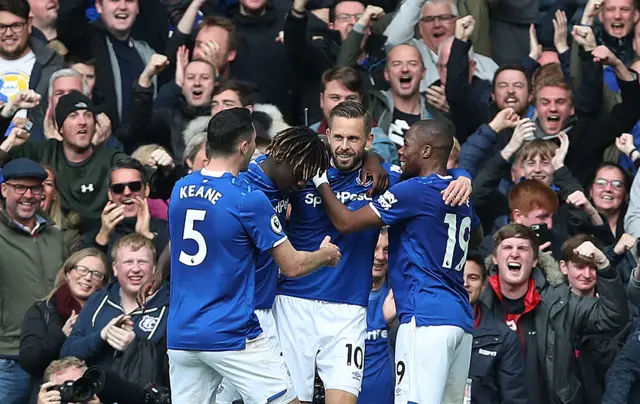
(378, 380)
(267, 272)
(428, 244)
(350, 281)
(218, 227)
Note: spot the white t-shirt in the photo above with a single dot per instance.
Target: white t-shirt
(14, 77)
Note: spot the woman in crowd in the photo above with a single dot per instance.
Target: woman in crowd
(49, 322)
(609, 192)
(50, 205)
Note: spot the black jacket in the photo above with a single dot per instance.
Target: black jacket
(85, 39)
(468, 102)
(312, 48)
(162, 126)
(158, 227)
(40, 341)
(557, 319)
(623, 377)
(261, 60)
(490, 202)
(497, 362)
(591, 135)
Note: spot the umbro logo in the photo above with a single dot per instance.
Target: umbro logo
(84, 188)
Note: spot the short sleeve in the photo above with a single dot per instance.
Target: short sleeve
(261, 221)
(397, 204)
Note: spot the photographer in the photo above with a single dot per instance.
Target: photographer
(57, 373)
(68, 380)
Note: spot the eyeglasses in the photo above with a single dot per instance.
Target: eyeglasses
(601, 183)
(21, 189)
(433, 18)
(16, 27)
(134, 186)
(83, 271)
(344, 17)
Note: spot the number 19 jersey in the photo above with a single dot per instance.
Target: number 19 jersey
(428, 243)
(218, 227)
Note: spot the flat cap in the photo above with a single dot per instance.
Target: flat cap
(23, 168)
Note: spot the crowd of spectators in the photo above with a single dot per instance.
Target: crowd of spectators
(105, 105)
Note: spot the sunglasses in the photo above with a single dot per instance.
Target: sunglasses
(118, 189)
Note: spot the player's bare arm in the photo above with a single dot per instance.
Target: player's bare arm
(294, 263)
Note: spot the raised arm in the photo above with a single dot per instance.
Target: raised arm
(402, 27)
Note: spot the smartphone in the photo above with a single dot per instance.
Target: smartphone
(542, 231)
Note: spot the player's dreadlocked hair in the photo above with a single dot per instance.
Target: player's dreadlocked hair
(300, 148)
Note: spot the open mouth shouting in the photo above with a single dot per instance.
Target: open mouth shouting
(618, 28)
(514, 267)
(406, 82)
(511, 101)
(553, 123)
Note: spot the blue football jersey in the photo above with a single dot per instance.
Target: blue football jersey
(428, 244)
(267, 269)
(378, 380)
(350, 281)
(218, 227)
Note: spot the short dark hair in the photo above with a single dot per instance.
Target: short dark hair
(71, 59)
(352, 110)
(228, 128)
(626, 178)
(511, 66)
(439, 134)
(128, 163)
(243, 89)
(224, 23)
(16, 7)
(332, 8)
(568, 247)
(518, 231)
(478, 259)
(347, 76)
(350, 79)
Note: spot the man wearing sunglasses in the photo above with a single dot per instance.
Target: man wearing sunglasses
(31, 252)
(127, 211)
(81, 168)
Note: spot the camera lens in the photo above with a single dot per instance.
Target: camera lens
(82, 390)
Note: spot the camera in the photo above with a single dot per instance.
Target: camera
(81, 390)
(156, 395)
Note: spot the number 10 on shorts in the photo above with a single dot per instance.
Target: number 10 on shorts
(355, 356)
